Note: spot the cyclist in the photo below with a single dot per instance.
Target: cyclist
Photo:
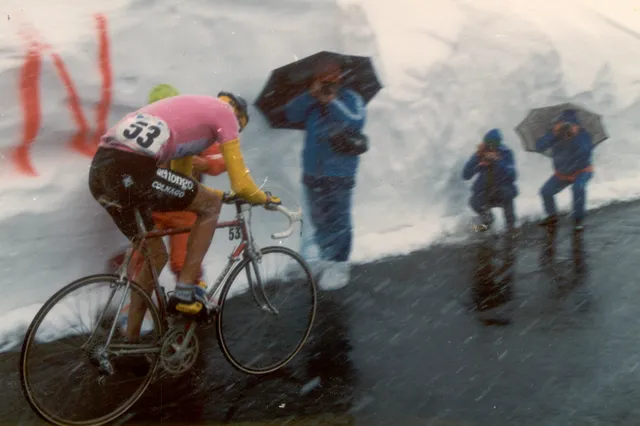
(126, 173)
(209, 162)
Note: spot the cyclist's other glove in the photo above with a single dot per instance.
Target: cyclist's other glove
(229, 197)
(272, 200)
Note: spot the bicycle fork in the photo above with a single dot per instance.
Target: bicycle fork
(257, 287)
(99, 355)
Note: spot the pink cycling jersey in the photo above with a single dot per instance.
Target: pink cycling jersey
(195, 122)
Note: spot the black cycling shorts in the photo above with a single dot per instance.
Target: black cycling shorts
(133, 180)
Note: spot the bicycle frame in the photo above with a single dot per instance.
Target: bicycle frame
(246, 245)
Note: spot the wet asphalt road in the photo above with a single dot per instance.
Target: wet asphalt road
(405, 344)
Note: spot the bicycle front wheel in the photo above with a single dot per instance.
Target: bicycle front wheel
(267, 309)
(69, 374)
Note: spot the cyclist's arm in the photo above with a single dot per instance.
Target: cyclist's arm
(242, 184)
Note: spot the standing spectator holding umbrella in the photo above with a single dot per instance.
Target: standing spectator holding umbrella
(325, 95)
(568, 134)
(328, 112)
(572, 149)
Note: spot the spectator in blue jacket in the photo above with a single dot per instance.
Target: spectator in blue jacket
(495, 185)
(571, 149)
(328, 176)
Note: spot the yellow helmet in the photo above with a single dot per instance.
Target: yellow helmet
(162, 91)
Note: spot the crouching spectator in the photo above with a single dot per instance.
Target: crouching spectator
(494, 165)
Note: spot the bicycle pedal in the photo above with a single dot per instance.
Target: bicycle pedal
(190, 309)
(199, 315)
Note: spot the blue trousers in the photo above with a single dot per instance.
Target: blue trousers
(579, 187)
(482, 205)
(329, 201)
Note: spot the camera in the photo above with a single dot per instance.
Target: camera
(328, 88)
(566, 131)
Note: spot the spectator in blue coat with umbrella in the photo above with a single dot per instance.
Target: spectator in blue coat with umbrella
(571, 149)
(494, 165)
(329, 111)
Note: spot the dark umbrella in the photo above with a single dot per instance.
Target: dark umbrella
(540, 120)
(289, 81)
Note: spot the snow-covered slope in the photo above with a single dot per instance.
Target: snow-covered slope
(451, 70)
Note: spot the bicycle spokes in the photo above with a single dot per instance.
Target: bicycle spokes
(77, 366)
(266, 317)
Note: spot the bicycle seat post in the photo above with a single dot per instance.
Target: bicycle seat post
(139, 222)
(142, 231)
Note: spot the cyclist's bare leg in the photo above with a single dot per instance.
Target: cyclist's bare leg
(207, 207)
(137, 309)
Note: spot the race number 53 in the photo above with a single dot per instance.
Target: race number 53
(143, 132)
(234, 233)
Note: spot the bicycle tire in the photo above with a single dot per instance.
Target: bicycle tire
(44, 310)
(223, 295)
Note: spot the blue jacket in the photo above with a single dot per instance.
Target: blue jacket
(321, 121)
(569, 156)
(503, 175)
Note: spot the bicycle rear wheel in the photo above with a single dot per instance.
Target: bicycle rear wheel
(253, 290)
(81, 391)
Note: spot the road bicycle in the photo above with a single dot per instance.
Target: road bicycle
(172, 344)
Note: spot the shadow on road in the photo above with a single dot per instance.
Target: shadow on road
(317, 384)
(494, 274)
(565, 262)
(493, 277)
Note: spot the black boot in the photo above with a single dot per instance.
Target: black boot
(485, 221)
(550, 220)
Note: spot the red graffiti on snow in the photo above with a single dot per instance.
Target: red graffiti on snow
(30, 101)
(104, 63)
(30, 97)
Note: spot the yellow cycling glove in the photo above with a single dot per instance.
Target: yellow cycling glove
(239, 176)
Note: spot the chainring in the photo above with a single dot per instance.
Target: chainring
(173, 363)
